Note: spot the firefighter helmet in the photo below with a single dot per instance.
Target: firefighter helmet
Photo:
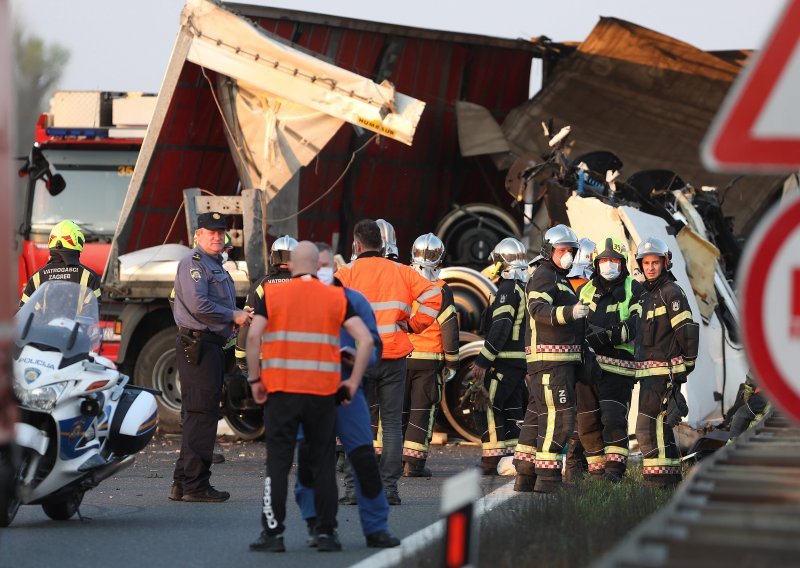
(582, 265)
(653, 246)
(228, 242)
(614, 249)
(66, 235)
(388, 237)
(427, 251)
(281, 250)
(558, 236)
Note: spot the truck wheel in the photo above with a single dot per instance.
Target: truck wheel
(461, 417)
(247, 425)
(64, 508)
(156, 368)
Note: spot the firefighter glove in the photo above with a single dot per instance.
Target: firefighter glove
(579, 310)
(599, 340)
(676, 408)
(477, 395)
(748, 392)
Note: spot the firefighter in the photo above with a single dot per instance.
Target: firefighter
(279, 254)
(435, 353)
(614, 310)
(295, 335)
(391, 289)
(65, 244)
(665, 347)
(553, 348)
(500, 365)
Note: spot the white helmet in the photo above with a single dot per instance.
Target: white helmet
(513, 256)
(582, 265)
(427, 254)
(281, 250)
(389, 239)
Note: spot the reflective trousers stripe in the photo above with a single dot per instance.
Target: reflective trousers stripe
(551, 415)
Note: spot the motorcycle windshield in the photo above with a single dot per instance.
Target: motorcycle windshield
(60, 316)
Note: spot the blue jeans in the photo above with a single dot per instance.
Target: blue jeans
(353, 429)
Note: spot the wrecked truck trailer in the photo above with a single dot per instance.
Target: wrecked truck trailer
(241, 113)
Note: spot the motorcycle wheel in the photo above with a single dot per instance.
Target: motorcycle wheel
(64, 508)
(10, 499)
(247, 425)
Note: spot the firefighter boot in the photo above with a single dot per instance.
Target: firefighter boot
(547, 483)
(415, 470)
(524, 483)
(575, 466)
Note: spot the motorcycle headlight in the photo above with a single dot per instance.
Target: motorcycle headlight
(41, 398)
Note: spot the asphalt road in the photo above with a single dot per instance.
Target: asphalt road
(132, 523)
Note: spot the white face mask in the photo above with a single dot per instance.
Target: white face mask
(224, 257)
(609, 270)
(325, 275)
(566, 261)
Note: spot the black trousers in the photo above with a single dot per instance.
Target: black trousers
(615, 401)
(201, 390)
(506, 409)
(423, 391)
(549, 422)
(283, 414)
(660, 453)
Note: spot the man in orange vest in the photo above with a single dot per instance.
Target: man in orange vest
(435, 350)
(391, 289)
(299, 384)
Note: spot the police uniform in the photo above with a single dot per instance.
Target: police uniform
(666, 348)
(256, 294)
(553, 347)
(503, 355)
(435, 347)
(63, 265)
(614, 311)
(205, 301)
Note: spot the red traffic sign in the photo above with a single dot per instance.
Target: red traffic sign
(758, 127)
(769, 279)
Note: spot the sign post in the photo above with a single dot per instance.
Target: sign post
(459, 495)
(758, 127)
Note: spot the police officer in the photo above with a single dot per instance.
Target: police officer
(614, 310)
(279, 255)
(435, 351)
(554, 345)
(665, 348)
(205, 312)
(65, 244)
(500, 365)
(295, 334)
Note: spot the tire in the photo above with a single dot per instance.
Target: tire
(156, 368)
(247, 425)
(64, 508)
(10, 478)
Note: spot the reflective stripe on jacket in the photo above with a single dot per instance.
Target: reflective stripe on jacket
(439, 341)
(300, 345)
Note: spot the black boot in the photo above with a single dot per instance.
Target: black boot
(524, 483)
(547, 484)
(267, 543)
(415, 470)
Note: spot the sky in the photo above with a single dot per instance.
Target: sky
(124, 45)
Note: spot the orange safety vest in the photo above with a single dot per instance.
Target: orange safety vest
(300, 345)
(391, 289)
(429, 342)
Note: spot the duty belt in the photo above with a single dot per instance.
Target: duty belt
(204, 336)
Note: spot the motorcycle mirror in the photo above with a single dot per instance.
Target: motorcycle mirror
(27, 327)
(55, 184)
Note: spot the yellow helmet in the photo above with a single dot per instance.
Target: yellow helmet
(66, 235)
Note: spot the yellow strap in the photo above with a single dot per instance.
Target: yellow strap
(446, 313)
(660, 311)
(540, 296)
(260, 291)
(662, 449)
(502, 310)
(650, 462)
(36, 280)
(520, 317)
(560, 315)
(619, 450)
(553, 357)
(85, 278)
(551, 415)
(490, 411)
(564, 288)
(488, 354)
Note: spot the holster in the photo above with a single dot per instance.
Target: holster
(192, 347)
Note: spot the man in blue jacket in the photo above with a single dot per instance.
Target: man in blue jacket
(354, 431)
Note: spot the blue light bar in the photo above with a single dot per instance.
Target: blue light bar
(86, 132)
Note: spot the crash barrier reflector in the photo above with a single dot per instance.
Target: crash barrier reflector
(459, 495)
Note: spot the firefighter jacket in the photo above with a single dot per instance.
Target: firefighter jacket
(552, 337)
(439, 342)
(667, 338)
(504, 327)
(614, 312)
(63, 265)
(256, 294)
(300, 346)
(391, 289)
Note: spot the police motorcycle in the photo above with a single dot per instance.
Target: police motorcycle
(81, 421)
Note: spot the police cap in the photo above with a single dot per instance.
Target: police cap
(212, 221)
